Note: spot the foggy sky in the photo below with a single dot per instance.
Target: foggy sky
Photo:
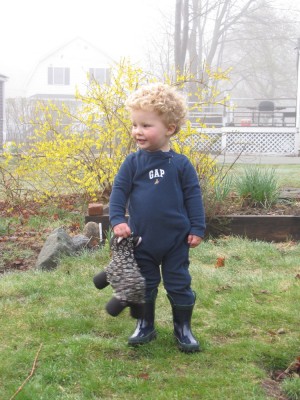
(32, 29)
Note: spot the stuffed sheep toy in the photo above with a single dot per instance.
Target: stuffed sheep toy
(125, 278)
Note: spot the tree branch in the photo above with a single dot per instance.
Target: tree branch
(30, 375)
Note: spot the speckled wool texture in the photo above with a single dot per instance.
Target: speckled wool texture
(123, 272)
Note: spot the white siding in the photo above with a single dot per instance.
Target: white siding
(79, 56)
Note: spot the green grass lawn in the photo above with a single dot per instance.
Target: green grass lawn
(246, 318)
(288, 175)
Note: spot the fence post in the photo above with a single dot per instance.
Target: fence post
(223, 139)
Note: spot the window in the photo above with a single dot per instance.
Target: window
(58, 76)
(101, 75)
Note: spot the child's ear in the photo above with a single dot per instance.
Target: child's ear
(171, 129)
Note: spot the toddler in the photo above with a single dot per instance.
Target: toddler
(162, 192)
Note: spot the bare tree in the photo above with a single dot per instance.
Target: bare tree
(181, 34)
(246, 35)
(18, 112)
(264, 55)
(200, 29)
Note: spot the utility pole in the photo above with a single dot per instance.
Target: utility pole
(298, 101)
(2, 105)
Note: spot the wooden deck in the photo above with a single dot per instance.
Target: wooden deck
(246, 113)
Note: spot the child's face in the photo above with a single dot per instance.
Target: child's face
(150, 131)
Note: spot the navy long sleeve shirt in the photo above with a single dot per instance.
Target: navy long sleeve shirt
(162, 193)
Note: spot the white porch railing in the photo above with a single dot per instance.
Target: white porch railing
(248, 140)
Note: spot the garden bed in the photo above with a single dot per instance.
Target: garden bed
(24, 228)
(277, 224)
(269, 228)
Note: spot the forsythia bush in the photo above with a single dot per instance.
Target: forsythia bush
(79, 148)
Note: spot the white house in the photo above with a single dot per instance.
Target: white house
(67, 68)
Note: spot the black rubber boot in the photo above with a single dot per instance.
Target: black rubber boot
(182, 315)
(137, 310)
(145, 330)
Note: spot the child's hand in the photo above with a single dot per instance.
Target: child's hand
(194, 240)
(122, 230)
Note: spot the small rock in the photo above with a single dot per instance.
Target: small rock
(57, 244)
(80, 242)
(91, 231)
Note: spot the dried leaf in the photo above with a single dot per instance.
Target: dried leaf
(221, 288)
(294, 367)
(18, 262)
(74, 227)
(144, 375)
(94, 242)
(220, 262)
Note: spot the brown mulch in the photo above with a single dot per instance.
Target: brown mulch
(282, 208)
(17, 236)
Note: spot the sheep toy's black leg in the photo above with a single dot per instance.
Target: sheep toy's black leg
(100, 280)
(115, 306)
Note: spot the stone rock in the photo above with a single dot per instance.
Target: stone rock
(91, 231)
(57, 244)
(80, 242)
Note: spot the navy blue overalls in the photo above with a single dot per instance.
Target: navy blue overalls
(164, 201)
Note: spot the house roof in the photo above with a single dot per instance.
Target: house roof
(77, 39)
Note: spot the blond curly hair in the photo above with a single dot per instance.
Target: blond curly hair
(162, 99)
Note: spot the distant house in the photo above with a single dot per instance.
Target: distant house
(59, 74)
(56, 77)
(3, 78)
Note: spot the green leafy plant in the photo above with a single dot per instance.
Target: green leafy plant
(257, 187)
